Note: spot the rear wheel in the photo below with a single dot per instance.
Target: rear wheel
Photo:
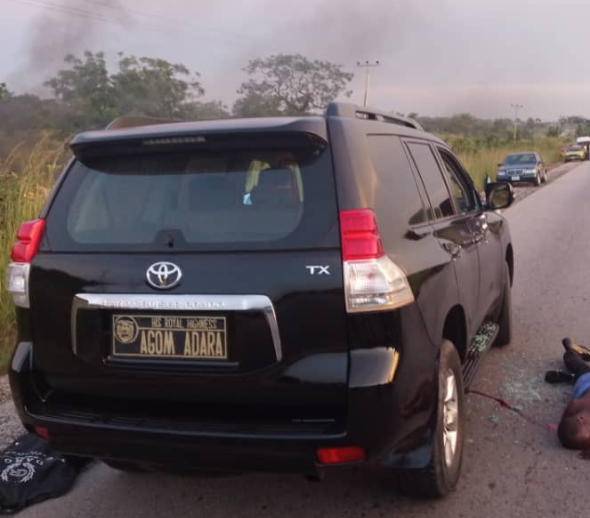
(505, 321)
(442, 473)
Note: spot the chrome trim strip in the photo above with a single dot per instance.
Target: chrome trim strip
(181, 303)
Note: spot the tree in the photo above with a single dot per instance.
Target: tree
(4, 93)
(292, 84)
(85, 89)
(256, 105)
(141, 86)
(154, 87)
(206, 110)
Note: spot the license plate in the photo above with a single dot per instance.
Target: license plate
(516, 178)
(169, 337)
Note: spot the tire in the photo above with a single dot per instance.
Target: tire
(537, 180)
(505, 321)
(441, 475)
(128, 467)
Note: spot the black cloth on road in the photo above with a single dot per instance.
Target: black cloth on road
(30, 472)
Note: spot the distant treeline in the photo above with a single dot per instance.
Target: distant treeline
(88, 94)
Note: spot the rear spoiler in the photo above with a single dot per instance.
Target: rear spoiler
(139, 134)
(131, 121)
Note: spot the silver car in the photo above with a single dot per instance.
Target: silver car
(522, 167)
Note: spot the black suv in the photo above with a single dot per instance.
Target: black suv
(285, 294)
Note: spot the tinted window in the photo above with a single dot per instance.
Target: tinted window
(397, 192)
(431, 174)
(464, 194)
(206, 199)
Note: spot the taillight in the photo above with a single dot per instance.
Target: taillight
(17, 275)
(343, 455)
(373, 282)
(41, 432)
(360, 235)
(29, 238)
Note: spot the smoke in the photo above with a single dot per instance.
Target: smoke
(61, 28)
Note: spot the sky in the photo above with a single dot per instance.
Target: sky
(437, 57)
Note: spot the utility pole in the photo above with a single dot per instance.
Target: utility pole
(516, 107)
(367, 65)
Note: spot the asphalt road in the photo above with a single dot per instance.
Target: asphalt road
(512, 468)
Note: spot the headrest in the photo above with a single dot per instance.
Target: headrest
(276, 187)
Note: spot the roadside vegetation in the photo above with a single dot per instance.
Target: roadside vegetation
(481, 160)
(26, 177)
(87, 94)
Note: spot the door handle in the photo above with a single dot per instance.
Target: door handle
(452, 248)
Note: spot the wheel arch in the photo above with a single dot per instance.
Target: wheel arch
(509, 257)
(455, 330)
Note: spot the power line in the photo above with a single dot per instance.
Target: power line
(62, 9)
(92, 15)
(135, 11)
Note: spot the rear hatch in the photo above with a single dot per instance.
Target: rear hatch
(195, 278)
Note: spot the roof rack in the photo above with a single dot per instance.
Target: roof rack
(351, 111)
(132, 121)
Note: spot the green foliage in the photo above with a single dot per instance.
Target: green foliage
(153, 87)
(256, 105)
(85, 90)
(4, 93)
(583, 128)
(206, 110)
(481, 159)
(92, 97)
(26, 177)
(292, 85)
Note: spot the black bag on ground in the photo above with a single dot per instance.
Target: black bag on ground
(31, 473)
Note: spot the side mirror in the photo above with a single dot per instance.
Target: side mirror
(499, 195)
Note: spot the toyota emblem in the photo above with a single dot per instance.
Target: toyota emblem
(163, 275)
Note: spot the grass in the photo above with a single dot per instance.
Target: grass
(29, 171)
(26, 177)
(480, 161)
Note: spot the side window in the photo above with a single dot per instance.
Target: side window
(396, 192)
(437, 190)
(464, 194)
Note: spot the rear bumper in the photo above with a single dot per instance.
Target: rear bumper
(523, 178)
(389, 439)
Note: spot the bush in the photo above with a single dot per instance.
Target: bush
(482, 157)
(26, 177)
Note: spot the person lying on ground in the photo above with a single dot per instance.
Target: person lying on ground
(574, 427)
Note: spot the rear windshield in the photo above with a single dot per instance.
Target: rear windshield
(528, 158)
(234, 197)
